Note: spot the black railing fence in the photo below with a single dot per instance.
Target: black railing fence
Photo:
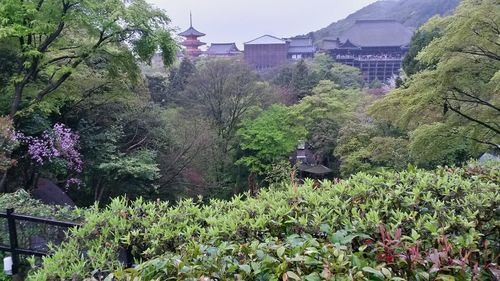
(14, 247)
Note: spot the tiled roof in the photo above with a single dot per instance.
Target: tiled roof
(301, 49)
(300, 45)
(222, 49)
(330, 44)
(266, 40)
(300, 42)
(191, 32)
(378, 33)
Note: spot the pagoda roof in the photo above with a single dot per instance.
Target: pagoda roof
(191, 31)
(266, 40)
(378, 33)
(190, 43)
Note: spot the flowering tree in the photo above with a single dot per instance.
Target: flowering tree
(7, 145)
(57, 144)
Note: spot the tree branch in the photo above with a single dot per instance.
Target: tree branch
(484, 124)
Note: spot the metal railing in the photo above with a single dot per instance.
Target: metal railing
(14, 248)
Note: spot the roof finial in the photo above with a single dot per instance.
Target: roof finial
(190, 19)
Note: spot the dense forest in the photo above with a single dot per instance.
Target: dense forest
(85, 108)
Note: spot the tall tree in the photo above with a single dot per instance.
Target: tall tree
(54, 38)
(179, 79)
(462, 90)
(223, 91)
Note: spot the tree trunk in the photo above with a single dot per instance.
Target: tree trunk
(252, 185)
(34, 182)
(3, 182)
(18, 93)
(99, 190)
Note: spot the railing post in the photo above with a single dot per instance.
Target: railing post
(11, 222)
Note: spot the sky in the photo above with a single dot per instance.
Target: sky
(240, 21)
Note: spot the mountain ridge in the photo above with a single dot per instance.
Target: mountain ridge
(411, 13)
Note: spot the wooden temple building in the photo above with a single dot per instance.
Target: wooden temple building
(191, 41)
(269, 51)
(266, 52)
(223, 50)
(301, 47)
(376, 47)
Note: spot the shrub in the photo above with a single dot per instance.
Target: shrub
(413, 225)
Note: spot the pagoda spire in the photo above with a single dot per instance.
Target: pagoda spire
(191, 42)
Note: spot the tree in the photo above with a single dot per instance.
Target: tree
(420, 40)
(323, 114)
(268, 139)
(322, 65)
(223, 91)
(462, 90)
(346, 76)
(7, 145)
(178, 79)
(53, 39)
(439, 144)
(302, 81)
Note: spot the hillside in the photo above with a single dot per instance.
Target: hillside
(412, 13)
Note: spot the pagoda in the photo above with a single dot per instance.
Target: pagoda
(191, 42)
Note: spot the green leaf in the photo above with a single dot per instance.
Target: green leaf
(292, 275)
(280, 251)
(246, 268)
(377, 275)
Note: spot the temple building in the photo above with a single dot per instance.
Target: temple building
(376, 47)
(223, 50)
(300, 48)
(269, 51)
(191, 41)
(266, 52)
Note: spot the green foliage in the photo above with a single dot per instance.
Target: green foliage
(346, 76)
(376, 84)
(56, 39)
(269, 138)
(302, 81)
(140, 165)
(7, 143)
(450, 107)
(330, 233)
(437, 144)
(178, 79)
(370, 146)
(419, 41)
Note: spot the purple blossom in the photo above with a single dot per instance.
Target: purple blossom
(59, 142)
(73, 181)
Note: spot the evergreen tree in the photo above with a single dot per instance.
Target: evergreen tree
(178, 81)
(301, 80)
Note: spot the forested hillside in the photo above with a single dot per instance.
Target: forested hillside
(411, 13)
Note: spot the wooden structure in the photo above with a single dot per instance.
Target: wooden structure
(223, 50)
(376, 47)
(301, 47)
(191, 42)
(266, 52)
(269, 51)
